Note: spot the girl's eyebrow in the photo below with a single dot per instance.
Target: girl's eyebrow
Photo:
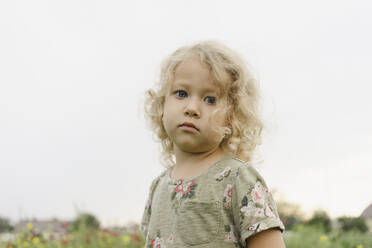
(176, 85)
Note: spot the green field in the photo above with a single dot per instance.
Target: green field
(302, 236)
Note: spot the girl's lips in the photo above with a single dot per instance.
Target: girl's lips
(188, 128)
(189, 125)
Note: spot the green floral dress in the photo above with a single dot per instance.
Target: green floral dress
(220, 207)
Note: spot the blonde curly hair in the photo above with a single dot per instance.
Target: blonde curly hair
(243, 131)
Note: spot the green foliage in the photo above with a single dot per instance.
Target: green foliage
(320, 219)
(291, 221)
(291, 214)
(83, 238)
(313, 236)
(302, 236)
(5, 225)
(353, 223)
(85, 220)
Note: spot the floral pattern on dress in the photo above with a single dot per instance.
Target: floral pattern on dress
(223, 174)
(184, 190)
(227, 196)
(258, 207)
(230, 237)
(148, 207)
(257, 227)
(148, 203)
(159, 242)
(170, 239)
(259, 193)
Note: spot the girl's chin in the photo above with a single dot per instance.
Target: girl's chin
(193, 148)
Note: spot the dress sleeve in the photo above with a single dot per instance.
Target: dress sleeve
(147, 211)
(253, 206)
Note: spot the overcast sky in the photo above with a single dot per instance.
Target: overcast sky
(73, 74)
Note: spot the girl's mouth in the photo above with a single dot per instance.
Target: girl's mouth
(188, 128)
(189, 124)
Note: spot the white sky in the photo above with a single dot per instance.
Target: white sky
(73, 73)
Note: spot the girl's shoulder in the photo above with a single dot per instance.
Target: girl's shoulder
(242, 170)
(235, 161)
(156, 180)
(237, 164)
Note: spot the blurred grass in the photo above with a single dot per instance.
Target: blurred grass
(302, 236)
(83, 238)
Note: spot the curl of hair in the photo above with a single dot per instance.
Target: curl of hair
(238, 88)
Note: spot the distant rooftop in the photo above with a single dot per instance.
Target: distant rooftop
(367, 213)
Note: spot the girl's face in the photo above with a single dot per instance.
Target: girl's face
(192, 98)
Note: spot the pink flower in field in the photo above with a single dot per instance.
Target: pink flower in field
(135, 236)
(65, 224)
(87, 239)
(65, 241)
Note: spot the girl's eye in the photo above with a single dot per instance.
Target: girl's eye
(180, 91)
(213, 99)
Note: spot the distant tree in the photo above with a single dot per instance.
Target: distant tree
(290, 214)
(352, 223)
(85, 219)
(5, 225)
(320, 218)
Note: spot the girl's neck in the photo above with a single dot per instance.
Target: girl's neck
(195, 161)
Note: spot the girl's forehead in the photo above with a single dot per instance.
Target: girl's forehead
(193, 68)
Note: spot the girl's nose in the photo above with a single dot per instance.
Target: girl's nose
(191, 113)
(192, 109)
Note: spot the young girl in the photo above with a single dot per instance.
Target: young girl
(205, 114)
